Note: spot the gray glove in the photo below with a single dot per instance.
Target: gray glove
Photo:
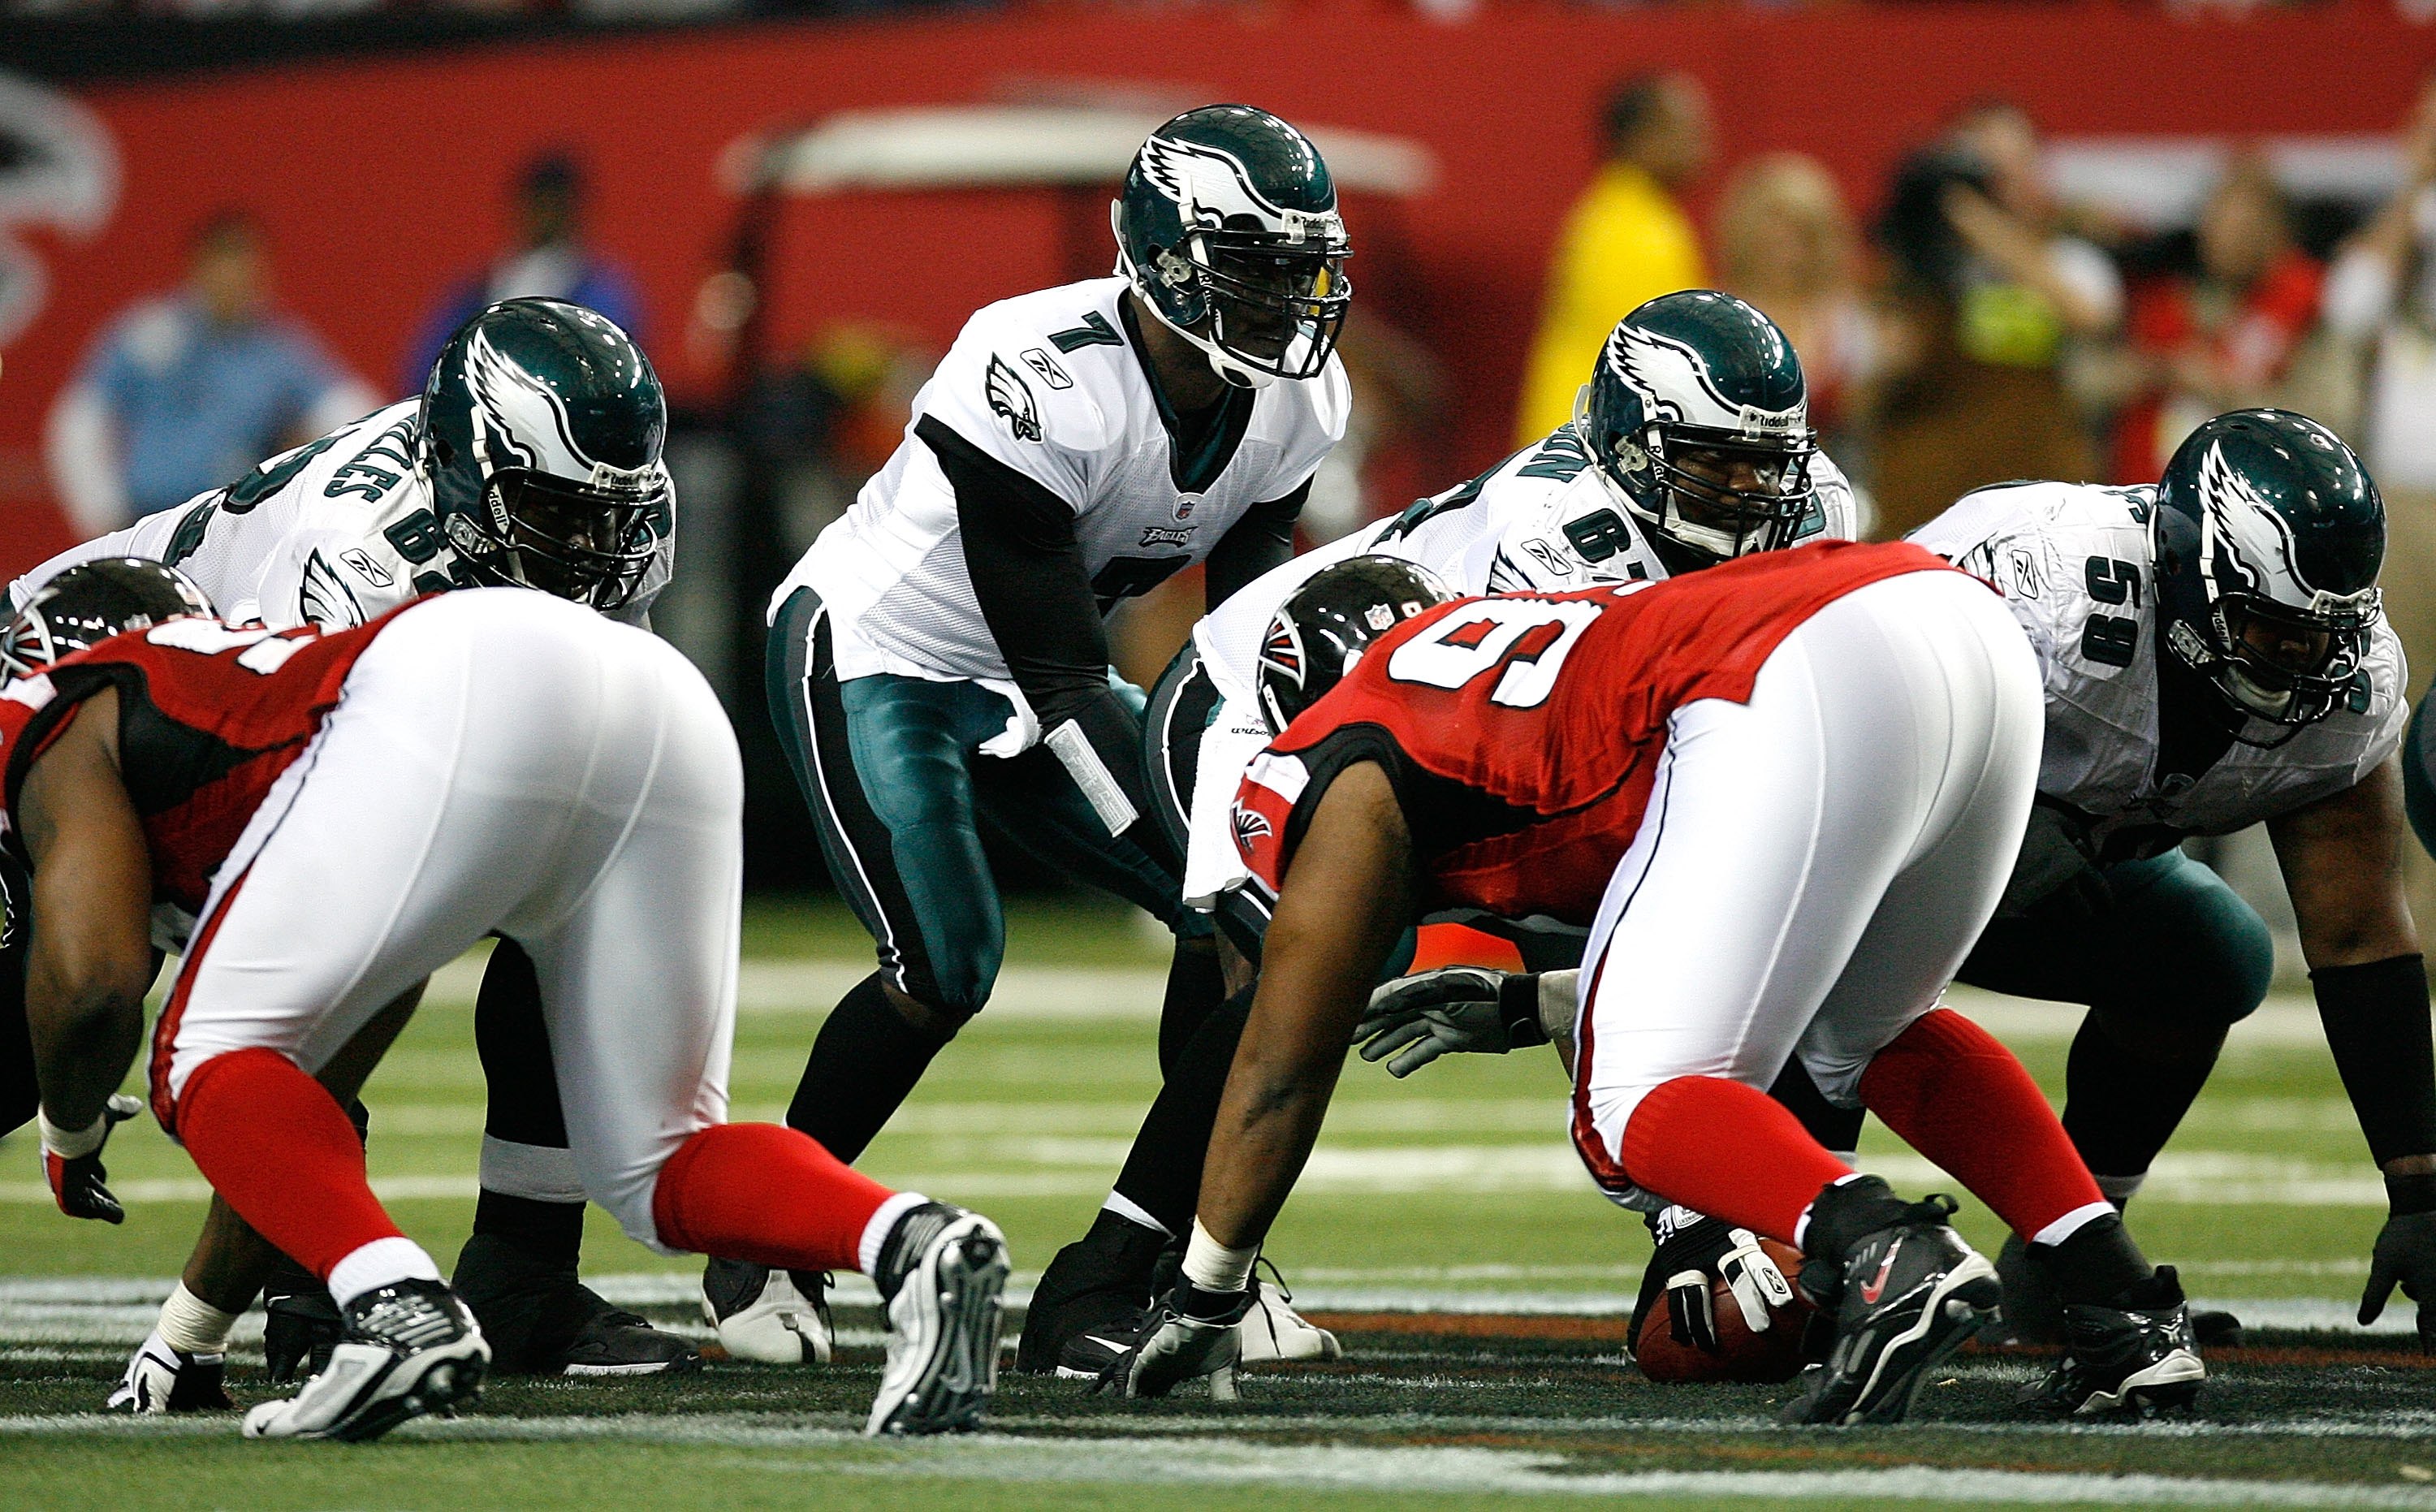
(1192, 1332)
(1455, 1009)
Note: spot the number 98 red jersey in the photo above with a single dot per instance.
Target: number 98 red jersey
(1522, 733)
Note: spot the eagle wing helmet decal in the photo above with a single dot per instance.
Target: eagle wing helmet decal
(1676, 387)
(1214, 190)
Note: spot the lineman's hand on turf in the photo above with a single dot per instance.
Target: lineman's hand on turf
(72, 1163)
(1192, 1332)
(1453, 1010)
(2405, 1256)
(1695, 1252)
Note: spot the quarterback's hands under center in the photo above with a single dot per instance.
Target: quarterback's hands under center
(1695, 1252)
(1450, 1010)
(79, 1183)
(1192, 1332)
(2405, 1256)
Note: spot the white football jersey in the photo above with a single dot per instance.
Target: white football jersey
(1049, 384)
(1539, 522)
(336, 532)
(2073, 561)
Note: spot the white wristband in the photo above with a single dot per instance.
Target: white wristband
(1214, 1267)
(70, 1144)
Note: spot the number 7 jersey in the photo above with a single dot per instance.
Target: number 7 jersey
(1523, 734)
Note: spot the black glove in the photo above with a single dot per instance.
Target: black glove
(79, 1183)
(1695, 1252)
(299, 1325)
(2055, 878)
(1190, 1332)
(2405, 1255)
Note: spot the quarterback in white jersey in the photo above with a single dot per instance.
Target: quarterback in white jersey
(531, 458)
(938, 662)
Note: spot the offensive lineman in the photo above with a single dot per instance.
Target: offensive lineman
(531, 458)
(2214, 657)
(938, 662)
(1692, 447)
(476, 763)
(1785, 794)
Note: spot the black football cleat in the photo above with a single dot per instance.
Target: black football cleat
(2033, 1311)
(1099, 1283)
(1905, 1296)
(161, 1380)
(943, 1271)
(2137, 1360)
(408, 1349)
(539, 1320)
(774, 1316)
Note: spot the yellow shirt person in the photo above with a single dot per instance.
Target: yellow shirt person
(1627, 242)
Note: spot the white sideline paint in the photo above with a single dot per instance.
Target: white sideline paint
(1172, 1459)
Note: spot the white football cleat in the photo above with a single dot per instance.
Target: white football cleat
(1273, 1330)
(943, 1269)
(775, 1317)
(161, 1380)
(410, 1348)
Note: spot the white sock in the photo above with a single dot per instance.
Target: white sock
(193, 1325)
(1214, 1267)
(2120, 1189)
(875, 1233)
(382, 1262)
(1134, 1213)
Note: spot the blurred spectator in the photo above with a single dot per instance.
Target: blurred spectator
(2381, 297)
(2221, 337)
(185, 392)
(1991, 296)
(549, 261)
(1626, 240)
(1785, 242)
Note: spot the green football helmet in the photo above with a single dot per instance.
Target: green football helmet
(2269, 534)
(1227, 230)
(1698, 421)
(542, 426)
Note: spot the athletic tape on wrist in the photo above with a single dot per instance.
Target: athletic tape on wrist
(71, 1144)
(1214, 1267)
(1074, 752)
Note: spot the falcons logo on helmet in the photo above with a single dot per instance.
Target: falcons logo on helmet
(1283, 648)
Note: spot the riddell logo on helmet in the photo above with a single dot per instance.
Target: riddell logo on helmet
(1771, 423)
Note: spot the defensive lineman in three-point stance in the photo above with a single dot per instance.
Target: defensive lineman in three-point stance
(1783, 794)
(343, 814)
(937, 660)
(531, 458)
(1692, 447)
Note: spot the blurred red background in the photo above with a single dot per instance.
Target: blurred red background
(380, 181)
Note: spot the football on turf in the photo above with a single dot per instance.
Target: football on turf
(1772, 1355)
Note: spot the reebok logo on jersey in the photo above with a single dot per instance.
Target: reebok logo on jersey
(1010, 399)
(1050, 374)
(361, 560)
(1161, 535)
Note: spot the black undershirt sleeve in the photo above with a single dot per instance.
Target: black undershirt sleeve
(1028, 577)
(1260, 540)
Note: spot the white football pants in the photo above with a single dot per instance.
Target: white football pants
(501, 760)
(1814, 864)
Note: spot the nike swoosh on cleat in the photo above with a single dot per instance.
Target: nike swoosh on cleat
(1873, 1287)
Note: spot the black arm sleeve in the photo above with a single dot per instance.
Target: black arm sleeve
(19, 1095)
(2376, 1025)
(1027, 572)
(1261, 539)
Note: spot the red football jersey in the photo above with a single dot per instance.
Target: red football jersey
(1521, 733)
(209, 716)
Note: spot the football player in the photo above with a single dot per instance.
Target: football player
(2214, 658)
(1783, 794)
(1693, 447)
(531, 458)
(341, 814)
(938, 663)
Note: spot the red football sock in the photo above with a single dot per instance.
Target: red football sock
(276, 1144)
(1729, 1150)
(1952, 1092)
(765, 1194)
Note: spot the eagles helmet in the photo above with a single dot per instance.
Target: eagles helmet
(2267, 534)
(542, 426)
(1227, 230)
(89, 604)
(1320, 630)
(1697, 419)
